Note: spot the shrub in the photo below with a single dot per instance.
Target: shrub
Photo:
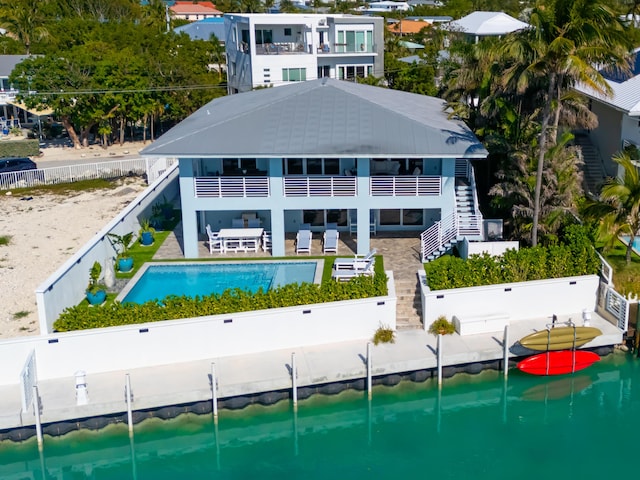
(20, 148)
(384, 334)
(442, 326)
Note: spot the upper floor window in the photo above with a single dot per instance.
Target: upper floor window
(287, 32)
(354, 41)
(312, 166)
(264, 36)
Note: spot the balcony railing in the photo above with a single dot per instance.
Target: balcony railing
(405, 186)
(320, 187)
(220, 187)
(282, 48)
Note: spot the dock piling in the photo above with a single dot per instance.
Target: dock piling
(36, 412)
(294, 380)
(127, 392)
(505, 347)
(439, 360)
(369, 368)
(214, 392)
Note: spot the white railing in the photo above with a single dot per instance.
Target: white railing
(405, 186)
(462, 168)
(618, 306)
(606, 272)
(227, 187)
(438, 235)
(470, 225)
(74, 173)
(320, 186)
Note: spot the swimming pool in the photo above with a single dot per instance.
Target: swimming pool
(158, 280)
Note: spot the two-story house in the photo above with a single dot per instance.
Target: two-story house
(265, 50)
(327, 151)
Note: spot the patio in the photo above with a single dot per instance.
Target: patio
(401, 252)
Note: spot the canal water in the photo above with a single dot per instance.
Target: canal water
(480, 427)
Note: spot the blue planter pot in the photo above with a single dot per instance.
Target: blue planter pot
(146, 238)
(97, 298)
(125, 264)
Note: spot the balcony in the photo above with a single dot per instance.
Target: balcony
(320, 186)
(405, 186)
(282, 48)
(345, 49)
(228, 187)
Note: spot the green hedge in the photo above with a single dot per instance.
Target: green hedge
(173, 307)
(575, 256)
(19, 148)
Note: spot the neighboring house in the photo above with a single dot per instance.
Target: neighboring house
(266, 50)
(411, 46)
(7, 64)
(384, 7)
(478, 25)
(618, 115)
(194, 11)
(408, 27)
(203, 29)
(368, 158)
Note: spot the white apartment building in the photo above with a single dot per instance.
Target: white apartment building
(265, 50)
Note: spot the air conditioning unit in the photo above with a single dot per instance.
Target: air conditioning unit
(322, 21)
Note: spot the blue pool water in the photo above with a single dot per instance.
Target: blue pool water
(481, 427)
(636, 242)
(159, 281)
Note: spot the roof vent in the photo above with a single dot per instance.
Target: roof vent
(324, 81)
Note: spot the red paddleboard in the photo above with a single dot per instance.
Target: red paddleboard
(558, 363)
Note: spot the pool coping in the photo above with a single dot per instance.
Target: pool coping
(317, 279)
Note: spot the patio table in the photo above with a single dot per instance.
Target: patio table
(240, 239)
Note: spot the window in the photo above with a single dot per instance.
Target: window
(293, 166)
(294, 74)
(319, 218)
(264, 36)
(354, 41)
(324, 71)
(350, 72)
(287, 32)
(312, 166)
(399, 217)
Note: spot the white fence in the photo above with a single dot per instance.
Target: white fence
(320, 186)
(221, 187)
(406, 186)
(165, 342)
(66, 286)
(153, 168)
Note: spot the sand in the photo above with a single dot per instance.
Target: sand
(44, 231)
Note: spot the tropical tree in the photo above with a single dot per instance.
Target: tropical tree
(618, 207)
(24, 21)
(567, 43)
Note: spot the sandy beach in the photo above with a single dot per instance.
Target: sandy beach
(45, 230)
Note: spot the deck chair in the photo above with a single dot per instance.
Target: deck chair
(266, 241)
(330, 241)
(354, 263)
(344, 275)
(215, 243)
(237, 223)
(254, 223)
(303, 241)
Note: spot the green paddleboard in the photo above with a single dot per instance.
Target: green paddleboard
(559, 338)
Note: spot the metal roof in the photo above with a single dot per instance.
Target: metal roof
(626, 89)
(9, 62)
(487, 23)
(320, 118)
(202, 29)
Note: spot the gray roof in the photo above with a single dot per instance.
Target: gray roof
(202, 30)
(320, 118)
(8, 63)
(625, 89)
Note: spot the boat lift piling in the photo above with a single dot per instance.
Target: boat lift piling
(36, 412)
(214, 393)
(505, 348)
(439, 360)
(294, 380)
(369, 382)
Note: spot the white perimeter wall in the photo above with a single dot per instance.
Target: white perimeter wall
(123, 348)
(467, 248)
(520, 301)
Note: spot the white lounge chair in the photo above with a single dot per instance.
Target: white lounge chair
(215, 243)
(344, 275)
(303, 241)
(355, 263)
(330, 241)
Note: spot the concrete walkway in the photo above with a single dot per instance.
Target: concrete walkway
(182, 383)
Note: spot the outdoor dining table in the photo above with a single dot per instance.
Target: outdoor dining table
(240, 239)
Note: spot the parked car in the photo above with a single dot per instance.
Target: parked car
(16, 164)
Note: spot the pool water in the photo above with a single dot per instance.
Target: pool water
(477, 427)
(200, 279)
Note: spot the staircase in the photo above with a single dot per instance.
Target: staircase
(409, 303)
(592, 168)
(466, 210)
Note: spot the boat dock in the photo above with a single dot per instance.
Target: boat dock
(167, 390)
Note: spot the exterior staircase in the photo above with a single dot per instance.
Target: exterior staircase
(593, 169)
(409, 303)
(466, 210)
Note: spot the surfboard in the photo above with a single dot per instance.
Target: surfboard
(558, 363)
(559, 338)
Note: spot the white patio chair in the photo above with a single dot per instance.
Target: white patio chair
(303, 241)
(357, 262)
(215, 243)
(344, 275)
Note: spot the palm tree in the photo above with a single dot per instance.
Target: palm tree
(567, 41)
(618, 207)
(24, 21)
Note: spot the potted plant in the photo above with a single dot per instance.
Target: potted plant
(96, 291)
(122, 243)
(146, 232)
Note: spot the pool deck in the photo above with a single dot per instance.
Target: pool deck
(183, 383)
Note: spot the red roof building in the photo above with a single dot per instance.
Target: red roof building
(194, 11)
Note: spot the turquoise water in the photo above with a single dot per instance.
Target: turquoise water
(159, 281)
(478, 427)
(636, 242)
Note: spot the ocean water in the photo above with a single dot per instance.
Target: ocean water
(476, 427)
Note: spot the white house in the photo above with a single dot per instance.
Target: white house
(367, 159)
(477, 25)
(619, 114)
(265, 50)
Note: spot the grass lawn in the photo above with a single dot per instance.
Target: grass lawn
(626, 278)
